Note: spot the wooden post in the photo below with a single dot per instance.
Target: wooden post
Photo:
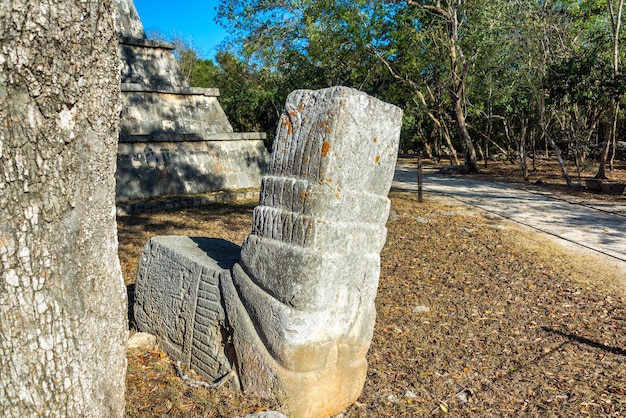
(419, 178)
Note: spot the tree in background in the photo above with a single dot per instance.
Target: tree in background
(614, 9)
(306, 44)
(471, 75)
(582, 88)
(251, 97)
(316, 44)
(456, 16)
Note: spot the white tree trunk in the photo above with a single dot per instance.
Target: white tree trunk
(63, 329)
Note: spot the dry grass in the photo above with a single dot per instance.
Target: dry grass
(513, 328)
(153, 389)
(231, 222)
(516, 324)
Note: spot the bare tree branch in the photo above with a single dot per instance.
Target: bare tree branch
(438, 10)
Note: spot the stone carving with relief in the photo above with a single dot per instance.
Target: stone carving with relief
(297, 307)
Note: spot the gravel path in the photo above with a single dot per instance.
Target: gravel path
(595, 226)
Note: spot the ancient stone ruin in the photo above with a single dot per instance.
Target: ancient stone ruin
(174, 139)
(292, 310)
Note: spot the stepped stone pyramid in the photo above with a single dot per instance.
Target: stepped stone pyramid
(174, 139)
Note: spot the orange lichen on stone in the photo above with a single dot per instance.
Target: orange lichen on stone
(375, 139)
(377, 159)
(303, 195)
(325, 125)
(325, 148)
(287, 123)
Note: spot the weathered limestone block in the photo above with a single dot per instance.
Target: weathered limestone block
(177, 298)
(150, 64)
(299, 303)
(127, 21)
(151, 169)
(301, 299)
(160, 116)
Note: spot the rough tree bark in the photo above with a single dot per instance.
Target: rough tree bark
(63, 329)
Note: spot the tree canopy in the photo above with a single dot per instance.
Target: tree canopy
(473, 76)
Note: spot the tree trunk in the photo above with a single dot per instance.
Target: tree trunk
(443, 132)
(63, 326)
(533, 148)
(606, 145)
(614, 138)
(520, 146)
(616, 24)
(459, 72)
(487, 135)
(454, 159)
(464, 136)
(548, 137)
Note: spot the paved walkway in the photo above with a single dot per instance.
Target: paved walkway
(595, 226)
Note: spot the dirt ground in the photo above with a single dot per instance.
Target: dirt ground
(475, 318)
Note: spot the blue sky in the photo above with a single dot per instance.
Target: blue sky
(190, 19)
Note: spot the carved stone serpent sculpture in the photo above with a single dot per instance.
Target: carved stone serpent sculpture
(292, 310)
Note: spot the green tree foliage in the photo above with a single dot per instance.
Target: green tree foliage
(315, 44)
(522, 75)
(250, 97)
